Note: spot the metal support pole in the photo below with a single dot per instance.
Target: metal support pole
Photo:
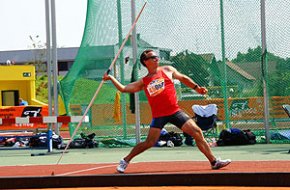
(136, 95)
(48, 63)
(121, 58)
(224, 82)
(54, 62)
(265, 71)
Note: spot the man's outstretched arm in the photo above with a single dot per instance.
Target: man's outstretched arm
(130, 88)
(188, 81)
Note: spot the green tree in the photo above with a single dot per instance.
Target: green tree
(39, 53)
(279, 81)
(254, 55)
(192, 65)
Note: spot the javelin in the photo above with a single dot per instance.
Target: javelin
(102, 82)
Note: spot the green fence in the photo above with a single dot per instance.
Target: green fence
(217, 43)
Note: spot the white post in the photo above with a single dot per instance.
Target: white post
(48, 62)
(264, 71)
(136, 95)
(54, 62)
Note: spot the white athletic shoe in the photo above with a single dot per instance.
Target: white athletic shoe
(122, 166)
(221, 163)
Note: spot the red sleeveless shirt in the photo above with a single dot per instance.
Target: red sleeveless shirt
(161, 94)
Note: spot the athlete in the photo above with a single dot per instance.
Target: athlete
(161, 94)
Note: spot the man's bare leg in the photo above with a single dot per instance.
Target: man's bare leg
(152, 138)
(191, 128)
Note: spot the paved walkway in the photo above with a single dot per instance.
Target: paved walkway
(113, 155)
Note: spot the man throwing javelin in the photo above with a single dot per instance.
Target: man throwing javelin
(161, 94)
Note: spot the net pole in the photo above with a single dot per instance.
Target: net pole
(265, 72)
(123, 98)
(48, 62)
(224, 80)
(102, 82)
(136, 94)
(54, 62)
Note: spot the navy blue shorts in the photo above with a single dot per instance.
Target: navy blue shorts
(177, 119)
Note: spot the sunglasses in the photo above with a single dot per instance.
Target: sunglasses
(151, 57)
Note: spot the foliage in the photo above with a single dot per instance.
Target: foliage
(256, 90)
(280, 84)
(215, 72)
(192, 65)
(83, 95)
(279, 81)
(39, 53)
(254, 55)
(41, 88)
(283, 65)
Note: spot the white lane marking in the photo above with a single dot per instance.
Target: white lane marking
(85, 170)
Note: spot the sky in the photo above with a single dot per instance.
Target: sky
(20, 19)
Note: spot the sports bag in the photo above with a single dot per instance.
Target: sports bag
(235, 136)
